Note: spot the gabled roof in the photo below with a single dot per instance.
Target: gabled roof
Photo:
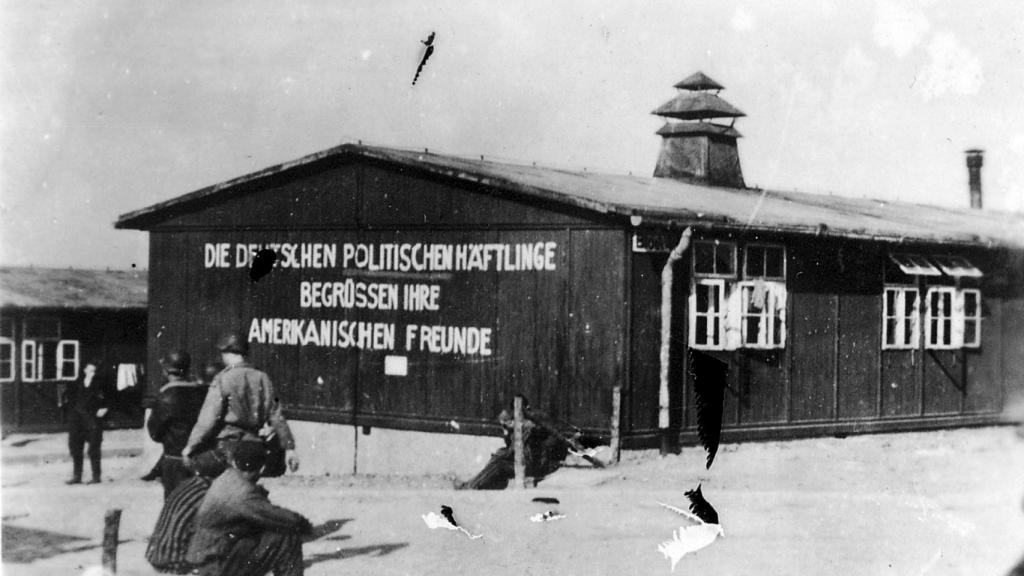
(68, 288)
(658, 201)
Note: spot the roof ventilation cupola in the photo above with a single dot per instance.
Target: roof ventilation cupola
(692, 148)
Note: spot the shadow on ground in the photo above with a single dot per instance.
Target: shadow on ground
(320, 531)
(343, 553)
(23, 545)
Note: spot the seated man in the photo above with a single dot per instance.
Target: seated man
(544, 448)
(238, 531)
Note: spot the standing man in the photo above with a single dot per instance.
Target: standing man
(174, 414)
(85, 404)
(240, 402)
(238, 531)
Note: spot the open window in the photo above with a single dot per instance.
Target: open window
(969, 308)
(901, 318)
(914, 265)
(708, 314)
(762, 315)
(957, 267)
(734, 308)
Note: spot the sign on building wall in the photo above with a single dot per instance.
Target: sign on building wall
(398, 298)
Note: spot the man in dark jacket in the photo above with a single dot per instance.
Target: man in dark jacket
(85, 404)
(239, 403)
(238, 531)
(174, 413)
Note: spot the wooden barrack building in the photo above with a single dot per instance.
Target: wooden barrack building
(420, 291)
(53, 321)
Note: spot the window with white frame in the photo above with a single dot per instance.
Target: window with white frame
(727, 312)
(900, 322)
(762, 315)
(969, 309)
(30, 361)
(708, 314)
(67, 359)
(7, 357)
(939, 318)
(44, 356)
(951, 314)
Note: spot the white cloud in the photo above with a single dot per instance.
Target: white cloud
(952, 68)
(898, 27)
(742, 20)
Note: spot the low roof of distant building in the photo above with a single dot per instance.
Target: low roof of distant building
(72, 288)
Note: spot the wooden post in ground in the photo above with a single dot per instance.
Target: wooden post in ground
(111, 527)
(616, 416)
(517, 443)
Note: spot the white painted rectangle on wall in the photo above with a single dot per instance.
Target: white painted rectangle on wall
(396, 366)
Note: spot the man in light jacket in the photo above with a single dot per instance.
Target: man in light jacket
(239, 403)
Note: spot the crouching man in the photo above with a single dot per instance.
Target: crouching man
(544, 448)
(238, 531)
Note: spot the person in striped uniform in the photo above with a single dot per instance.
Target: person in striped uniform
(168, 546)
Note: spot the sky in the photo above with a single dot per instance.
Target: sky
(108, 107)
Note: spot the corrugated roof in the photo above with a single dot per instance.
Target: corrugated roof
(698, 81)
(664, 202)
(697, 105)
(72, 288)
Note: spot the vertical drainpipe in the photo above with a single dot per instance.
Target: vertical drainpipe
(666, 335)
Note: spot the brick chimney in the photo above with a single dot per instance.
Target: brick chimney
(693, 149)
(975, 158)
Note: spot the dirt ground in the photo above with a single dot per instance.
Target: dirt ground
(946, 502)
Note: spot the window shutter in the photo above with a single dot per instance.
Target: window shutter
(777, 291)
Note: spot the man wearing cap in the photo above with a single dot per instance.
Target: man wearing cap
(238, 531)
(85, 404)
(174, 413)
(239, 403)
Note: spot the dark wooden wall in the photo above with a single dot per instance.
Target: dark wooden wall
(111, 337)
(559, 336)
(833, 376)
